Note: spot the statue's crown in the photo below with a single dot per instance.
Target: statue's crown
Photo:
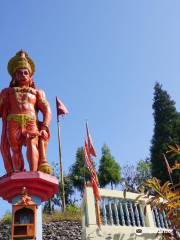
(21, 60)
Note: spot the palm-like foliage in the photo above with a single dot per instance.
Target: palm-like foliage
(167, 196)
(174, 150)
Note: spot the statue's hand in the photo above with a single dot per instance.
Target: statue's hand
(44, 134)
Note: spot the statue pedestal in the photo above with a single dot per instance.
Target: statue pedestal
(38, 184)
(40, 187)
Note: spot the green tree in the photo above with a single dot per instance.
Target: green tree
(109, 169)
(68, 186)
(49, 206)
(68, 190)
(166, 131)
(78, 171)
(143, 171)
(134, 176)
(129, 178)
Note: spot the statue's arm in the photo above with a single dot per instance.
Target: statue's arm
(3, 99)
(1, 104)
(44, 107)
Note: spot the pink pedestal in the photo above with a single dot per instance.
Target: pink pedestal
(38, 184)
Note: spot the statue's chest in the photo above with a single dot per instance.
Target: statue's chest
(24, 97)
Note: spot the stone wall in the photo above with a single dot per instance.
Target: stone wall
(5, 232)
(65, 230)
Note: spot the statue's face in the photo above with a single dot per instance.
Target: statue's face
(22, 77)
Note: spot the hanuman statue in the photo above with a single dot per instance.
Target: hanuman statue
(19, 107)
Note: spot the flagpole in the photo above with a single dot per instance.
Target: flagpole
(84, 176)
(61, 166)
(98, 213)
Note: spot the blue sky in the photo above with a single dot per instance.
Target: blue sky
(102, 58)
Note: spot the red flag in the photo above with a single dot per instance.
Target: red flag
(88, 161)
(61, 108)
(167, 165)
(95, 189)
(92, 150)
(92, 170)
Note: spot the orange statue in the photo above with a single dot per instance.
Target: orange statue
(19, 107)
(25, 198)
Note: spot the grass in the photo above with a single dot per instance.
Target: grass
(70, 214)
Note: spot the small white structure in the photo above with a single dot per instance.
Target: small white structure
(123, 218)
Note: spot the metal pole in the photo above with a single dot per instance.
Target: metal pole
(61, 167)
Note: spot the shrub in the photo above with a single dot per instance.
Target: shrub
(7, 218)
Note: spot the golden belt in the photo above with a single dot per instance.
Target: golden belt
(22, 119)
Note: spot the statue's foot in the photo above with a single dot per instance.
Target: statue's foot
(17, 171)
(45, 167)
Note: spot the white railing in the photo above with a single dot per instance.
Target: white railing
(122, 218)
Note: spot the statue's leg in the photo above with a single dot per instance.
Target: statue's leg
(5, 151)
(15, 142)
(32, 153)
(32, 145)
(17, 158)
